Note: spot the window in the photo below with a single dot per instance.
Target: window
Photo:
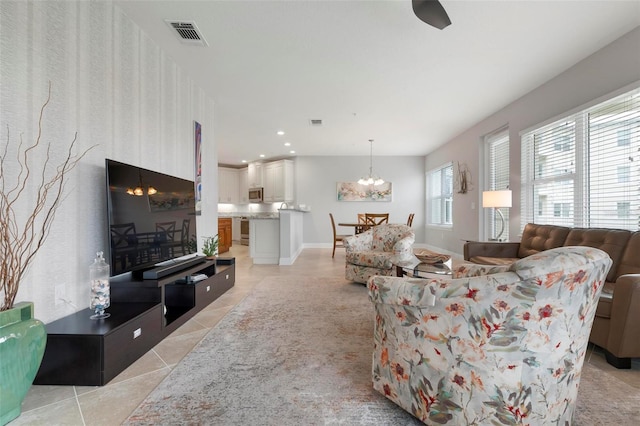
(497, 178)
(586, 166)
(624, 174)
(440, 196)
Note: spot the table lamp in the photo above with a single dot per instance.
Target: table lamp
(497, 200)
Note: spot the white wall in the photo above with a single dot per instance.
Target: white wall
(117, 90)
(611, 68)
(316, 184)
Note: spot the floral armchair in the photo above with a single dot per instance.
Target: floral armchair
(504, 348)
(375, 251)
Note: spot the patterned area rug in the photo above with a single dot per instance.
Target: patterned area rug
(298, 351)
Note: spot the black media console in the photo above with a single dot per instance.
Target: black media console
(85, 352)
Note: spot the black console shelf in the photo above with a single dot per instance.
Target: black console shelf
(85, 352)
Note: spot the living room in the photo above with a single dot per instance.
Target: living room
(114, 85)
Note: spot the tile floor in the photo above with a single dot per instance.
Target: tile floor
(113, 403)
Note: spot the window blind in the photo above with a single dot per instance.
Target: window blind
(497, 145)
(584, 170)
(440, 196)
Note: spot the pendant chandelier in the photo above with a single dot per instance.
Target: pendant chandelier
(371, 179)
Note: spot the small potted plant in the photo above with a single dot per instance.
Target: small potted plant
(210, 247)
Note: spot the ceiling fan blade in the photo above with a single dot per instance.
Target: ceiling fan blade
(431, 12)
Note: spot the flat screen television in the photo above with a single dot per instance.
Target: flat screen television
(151, 218)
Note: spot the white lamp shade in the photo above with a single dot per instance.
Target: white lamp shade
(496, 199)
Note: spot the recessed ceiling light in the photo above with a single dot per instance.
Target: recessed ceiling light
(261, 155)
(287, 144)
(292, 152)
(280, 132)
(244, 161)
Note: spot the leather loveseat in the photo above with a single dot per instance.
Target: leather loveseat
(616, 327)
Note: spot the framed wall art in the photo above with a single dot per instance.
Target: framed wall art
(353, 191)
(198, 167)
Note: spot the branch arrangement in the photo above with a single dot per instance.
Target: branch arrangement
(20, 240)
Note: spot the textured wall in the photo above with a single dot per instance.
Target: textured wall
(117, 90)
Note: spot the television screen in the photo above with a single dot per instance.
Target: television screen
(151, 217)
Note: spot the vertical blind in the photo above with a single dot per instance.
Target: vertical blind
(440, 196)
(497, 145)
(584, 170)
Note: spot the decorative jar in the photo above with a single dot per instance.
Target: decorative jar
(100, 292)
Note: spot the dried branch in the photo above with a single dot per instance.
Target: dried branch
(20, 240)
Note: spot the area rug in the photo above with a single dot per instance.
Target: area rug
(297, 351)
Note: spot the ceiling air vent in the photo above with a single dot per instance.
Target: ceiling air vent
(188, 32)
(315, 122)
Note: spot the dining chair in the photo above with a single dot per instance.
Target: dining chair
(361, 219)
(374, 219)
(337, 238)
(410, 219)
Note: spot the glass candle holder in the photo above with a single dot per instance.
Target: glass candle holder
(100, 291)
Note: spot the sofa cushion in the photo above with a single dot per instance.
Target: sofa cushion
(370, 258)
(630, 262)
(611, 241)
(537, 238)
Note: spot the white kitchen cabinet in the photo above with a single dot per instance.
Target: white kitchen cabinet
(254, 178)
(228, 185)
(243, 180)
(278, 181)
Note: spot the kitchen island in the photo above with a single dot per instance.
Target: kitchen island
(276, 240)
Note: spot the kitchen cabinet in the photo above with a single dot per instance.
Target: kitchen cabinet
(228, 185)
(254, 176)
(278, 181)
(225, 234)
(243, 181)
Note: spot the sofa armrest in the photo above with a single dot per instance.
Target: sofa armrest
(358, 242)
(624, 327)
(490, 249)
(403, 248)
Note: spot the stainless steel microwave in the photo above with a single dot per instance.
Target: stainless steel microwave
(256, 195)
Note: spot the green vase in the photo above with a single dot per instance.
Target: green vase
(22, 342)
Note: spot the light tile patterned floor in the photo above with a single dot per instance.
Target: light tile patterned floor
(111, 404)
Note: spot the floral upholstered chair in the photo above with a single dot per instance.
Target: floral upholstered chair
(505, 348)
(375, 251)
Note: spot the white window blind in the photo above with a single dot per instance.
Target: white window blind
(440, 196)
(584, 170)
(497, 149)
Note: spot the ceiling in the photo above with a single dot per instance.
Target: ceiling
(370, 69)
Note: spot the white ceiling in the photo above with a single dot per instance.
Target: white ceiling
(371, 69)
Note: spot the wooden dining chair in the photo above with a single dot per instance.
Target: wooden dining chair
(410, 219)
(373, 219)
(363, 220)
(337, 238)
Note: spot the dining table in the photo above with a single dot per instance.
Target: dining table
(357, 226)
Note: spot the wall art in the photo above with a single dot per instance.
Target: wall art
(353, 191)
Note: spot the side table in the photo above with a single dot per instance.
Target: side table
(416, 269)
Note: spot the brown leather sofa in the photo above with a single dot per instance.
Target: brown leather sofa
(616, 327)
